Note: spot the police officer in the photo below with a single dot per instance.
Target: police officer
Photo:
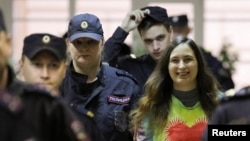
(228, 111)
(107, 93)
(43, 61)
(232, 110)
(155, 31)
(223, 75)
(29, 113)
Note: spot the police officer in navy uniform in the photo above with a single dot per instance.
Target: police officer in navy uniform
(223, 75)
(30, 113)
(228, 111)
(43, 61)
(155, 32)
(86, 116)
(106, 93)
(232, 110)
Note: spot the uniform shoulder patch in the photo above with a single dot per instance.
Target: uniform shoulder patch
(118, 99)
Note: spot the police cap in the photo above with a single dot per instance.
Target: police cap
(180, 20)
(157, 13)
(38, 42)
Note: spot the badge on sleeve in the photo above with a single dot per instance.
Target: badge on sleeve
(118, 99)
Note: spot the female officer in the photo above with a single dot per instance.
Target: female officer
(106, 93)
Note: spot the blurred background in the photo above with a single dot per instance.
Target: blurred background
(221, 26)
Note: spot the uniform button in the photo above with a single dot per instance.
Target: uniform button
(72, 104)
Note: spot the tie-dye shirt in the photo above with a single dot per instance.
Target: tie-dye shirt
(184, 123)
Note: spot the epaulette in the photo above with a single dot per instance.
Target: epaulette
(83, 111)
(143, 58)
(128, 57)
(132, 56)
(123, 73)
(234, 98)
(244, 91)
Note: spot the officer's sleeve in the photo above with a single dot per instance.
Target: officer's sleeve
(113, 45)
(65, 124)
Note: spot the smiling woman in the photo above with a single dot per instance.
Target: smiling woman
(180, 96)
(183, 67)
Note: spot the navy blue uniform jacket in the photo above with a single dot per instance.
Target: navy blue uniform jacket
(233, 110)
(222, 74)
(29, 113)
(110, 101)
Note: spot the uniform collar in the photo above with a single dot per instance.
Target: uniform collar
(82, 78)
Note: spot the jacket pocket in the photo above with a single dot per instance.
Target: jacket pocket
(121, 120)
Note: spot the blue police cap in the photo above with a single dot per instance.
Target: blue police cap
(2, 22)
(157, 13)
(85, 25)
(180, 20)
(37, 42)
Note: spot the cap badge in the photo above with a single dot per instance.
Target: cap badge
(84, 24)
(46, 39)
